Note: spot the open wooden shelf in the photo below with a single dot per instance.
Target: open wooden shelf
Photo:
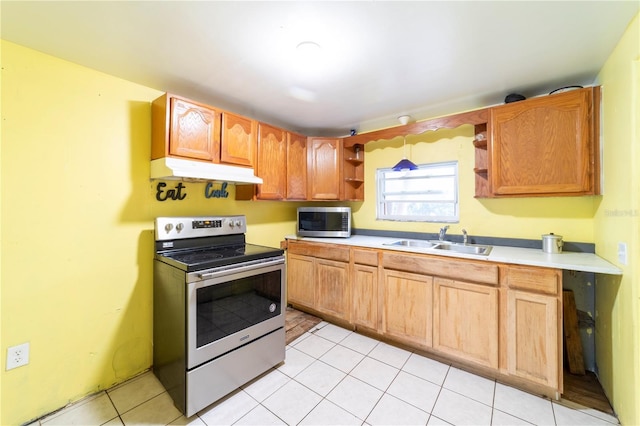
(353, 169)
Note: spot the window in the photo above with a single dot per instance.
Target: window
(428, 194)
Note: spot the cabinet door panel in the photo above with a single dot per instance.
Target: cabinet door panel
(193, 131)
(365, 296)
(238, 141)
(325, 171)
(532, 341)
(332, 288)
(296, 167)
(271, 167)
(543, 145)
(465, 321)
(408, 307)
(300, 285)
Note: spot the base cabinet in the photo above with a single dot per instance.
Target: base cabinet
(503, 320)
(364, 291)
(332, 288)
(318, 278)
(465, 321)
(532, 337)
(300, 285)
(407, 311)
(533, 324)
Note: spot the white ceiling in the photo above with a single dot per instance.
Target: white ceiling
(378, 59)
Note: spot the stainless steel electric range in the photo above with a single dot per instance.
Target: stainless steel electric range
(218, 308)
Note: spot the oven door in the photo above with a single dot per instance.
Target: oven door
(231, 307)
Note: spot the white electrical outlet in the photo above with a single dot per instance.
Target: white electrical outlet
(17, 356)
(622, 253)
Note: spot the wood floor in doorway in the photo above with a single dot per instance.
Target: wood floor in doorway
(297, 323)
(587, 391)
(584, 390)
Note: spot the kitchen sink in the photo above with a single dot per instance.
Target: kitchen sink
(465, 248)
(444, 246)
(412, 243)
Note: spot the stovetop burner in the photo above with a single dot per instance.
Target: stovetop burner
(200, 256)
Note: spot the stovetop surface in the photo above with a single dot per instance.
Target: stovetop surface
(211, 257)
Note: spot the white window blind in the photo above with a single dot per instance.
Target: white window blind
(428, 194)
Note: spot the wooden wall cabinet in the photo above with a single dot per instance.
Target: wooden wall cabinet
(545, 146)
(324, 173)
(271, 163)
(238, 140)
(192, 130)
(281, 162)
(296, 167)
(183, 128)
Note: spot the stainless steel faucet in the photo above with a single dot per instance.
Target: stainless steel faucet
(443, 231)
(465, 237)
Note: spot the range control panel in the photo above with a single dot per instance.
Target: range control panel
(173, 228)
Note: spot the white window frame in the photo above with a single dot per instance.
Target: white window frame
(381, 201)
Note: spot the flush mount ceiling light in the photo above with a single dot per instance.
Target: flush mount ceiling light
(404, 164)
(308, 50)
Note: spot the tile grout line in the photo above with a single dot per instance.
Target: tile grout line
(114, 407)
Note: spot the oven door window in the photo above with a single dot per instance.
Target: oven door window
(229, 307)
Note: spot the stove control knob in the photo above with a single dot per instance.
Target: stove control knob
(238, 223)
(230, 223)
(168, 227)
(179, 227)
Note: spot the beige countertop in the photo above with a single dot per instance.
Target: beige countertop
(586, 262)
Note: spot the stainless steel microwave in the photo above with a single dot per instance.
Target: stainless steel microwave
(324, 222)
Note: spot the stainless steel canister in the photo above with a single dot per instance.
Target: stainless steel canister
(552, 243)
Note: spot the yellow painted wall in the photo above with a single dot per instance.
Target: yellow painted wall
(618, 220)
(77, 211)
(571, 217)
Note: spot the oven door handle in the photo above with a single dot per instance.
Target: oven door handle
(246, 267)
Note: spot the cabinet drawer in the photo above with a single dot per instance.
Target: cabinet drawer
(540, 280)
(365, 257)
(463, 269)
(320, 250)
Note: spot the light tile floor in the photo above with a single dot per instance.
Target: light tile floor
(333, 376)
